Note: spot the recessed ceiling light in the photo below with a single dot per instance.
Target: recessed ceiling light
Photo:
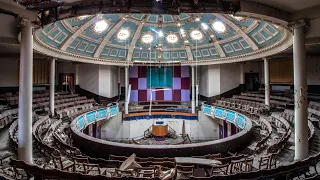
(100, 26)
(179, 24)
(160, 33)
(147, 38)
(172, 38)
(219, 27)
(140, 48)
(182, 31)
(123, 34)
(197, 19)
(204, 26)
(196, 35)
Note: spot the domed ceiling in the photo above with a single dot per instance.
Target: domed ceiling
(144, 38)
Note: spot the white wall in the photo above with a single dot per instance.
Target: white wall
(229, 77)
(98, 79)
(89, 77)
(8, 72)
(218, 79)
(108, 81)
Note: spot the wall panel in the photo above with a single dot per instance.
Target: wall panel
(281, 71)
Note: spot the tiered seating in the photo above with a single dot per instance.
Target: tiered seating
(244, 106)
(314, 112)
(267, 131)
(289, 116)
(280, 98)
(7, 117)
(283, 128)
(273, 103)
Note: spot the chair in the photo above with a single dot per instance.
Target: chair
(236, 166)
(147, 172)
(79, 164)
(219, 170)
(184, 171)
(264, 162)
(94, 169)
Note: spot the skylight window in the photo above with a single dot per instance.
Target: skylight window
(100, 26)
(219, 27)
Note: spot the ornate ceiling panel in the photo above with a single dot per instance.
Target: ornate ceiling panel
(153, 38)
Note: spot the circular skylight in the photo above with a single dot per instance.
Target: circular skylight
(219, 27)
(100, 26)
(123, 34)
(196, 35)
(172, 38)
(147, 38)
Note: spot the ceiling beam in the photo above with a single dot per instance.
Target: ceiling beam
(261, 11)
(239, 30)
(15, 8)
(134, 39)
(78, 32)
(106, 39)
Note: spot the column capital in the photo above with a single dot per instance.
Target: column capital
(23, 22)
(299, 23)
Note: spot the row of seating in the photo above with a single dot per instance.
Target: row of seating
(7, 117)
(288, 115)
(281, 98)
(252, 108)
(283, 128)
(37, 98)
(68, 112)
(57, 102)
(273, 103)
(266, 127)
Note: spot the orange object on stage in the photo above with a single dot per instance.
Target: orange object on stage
(160, 130)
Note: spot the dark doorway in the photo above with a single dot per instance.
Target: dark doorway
(66, 82)
(252, 82)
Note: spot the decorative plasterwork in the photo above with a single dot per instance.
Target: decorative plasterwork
(78, 32)
(107, 38)
(240, 31)
(283, 44)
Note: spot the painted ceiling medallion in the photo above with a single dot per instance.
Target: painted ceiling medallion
(100, 26)
(147, 38)
(196, 35)
(219, 27)
(172, 38)
(123, 34)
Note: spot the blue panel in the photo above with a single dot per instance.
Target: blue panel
(61, 37)
(48, 41)
(207, 109)
(265, 34)
(271, 28)
(167, 19)
(219, 112)
(80, 122)
(91, 116)
(159, 78)
(54, 33)
(102, 113)
(241, 121)
(230, 115)
(113, 110)
(48, 28)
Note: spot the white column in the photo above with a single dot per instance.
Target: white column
(193, 109)
(241, 74)
(52, 84)
(300, 92)
(25, 93)
(126, 80)
(266, 82)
